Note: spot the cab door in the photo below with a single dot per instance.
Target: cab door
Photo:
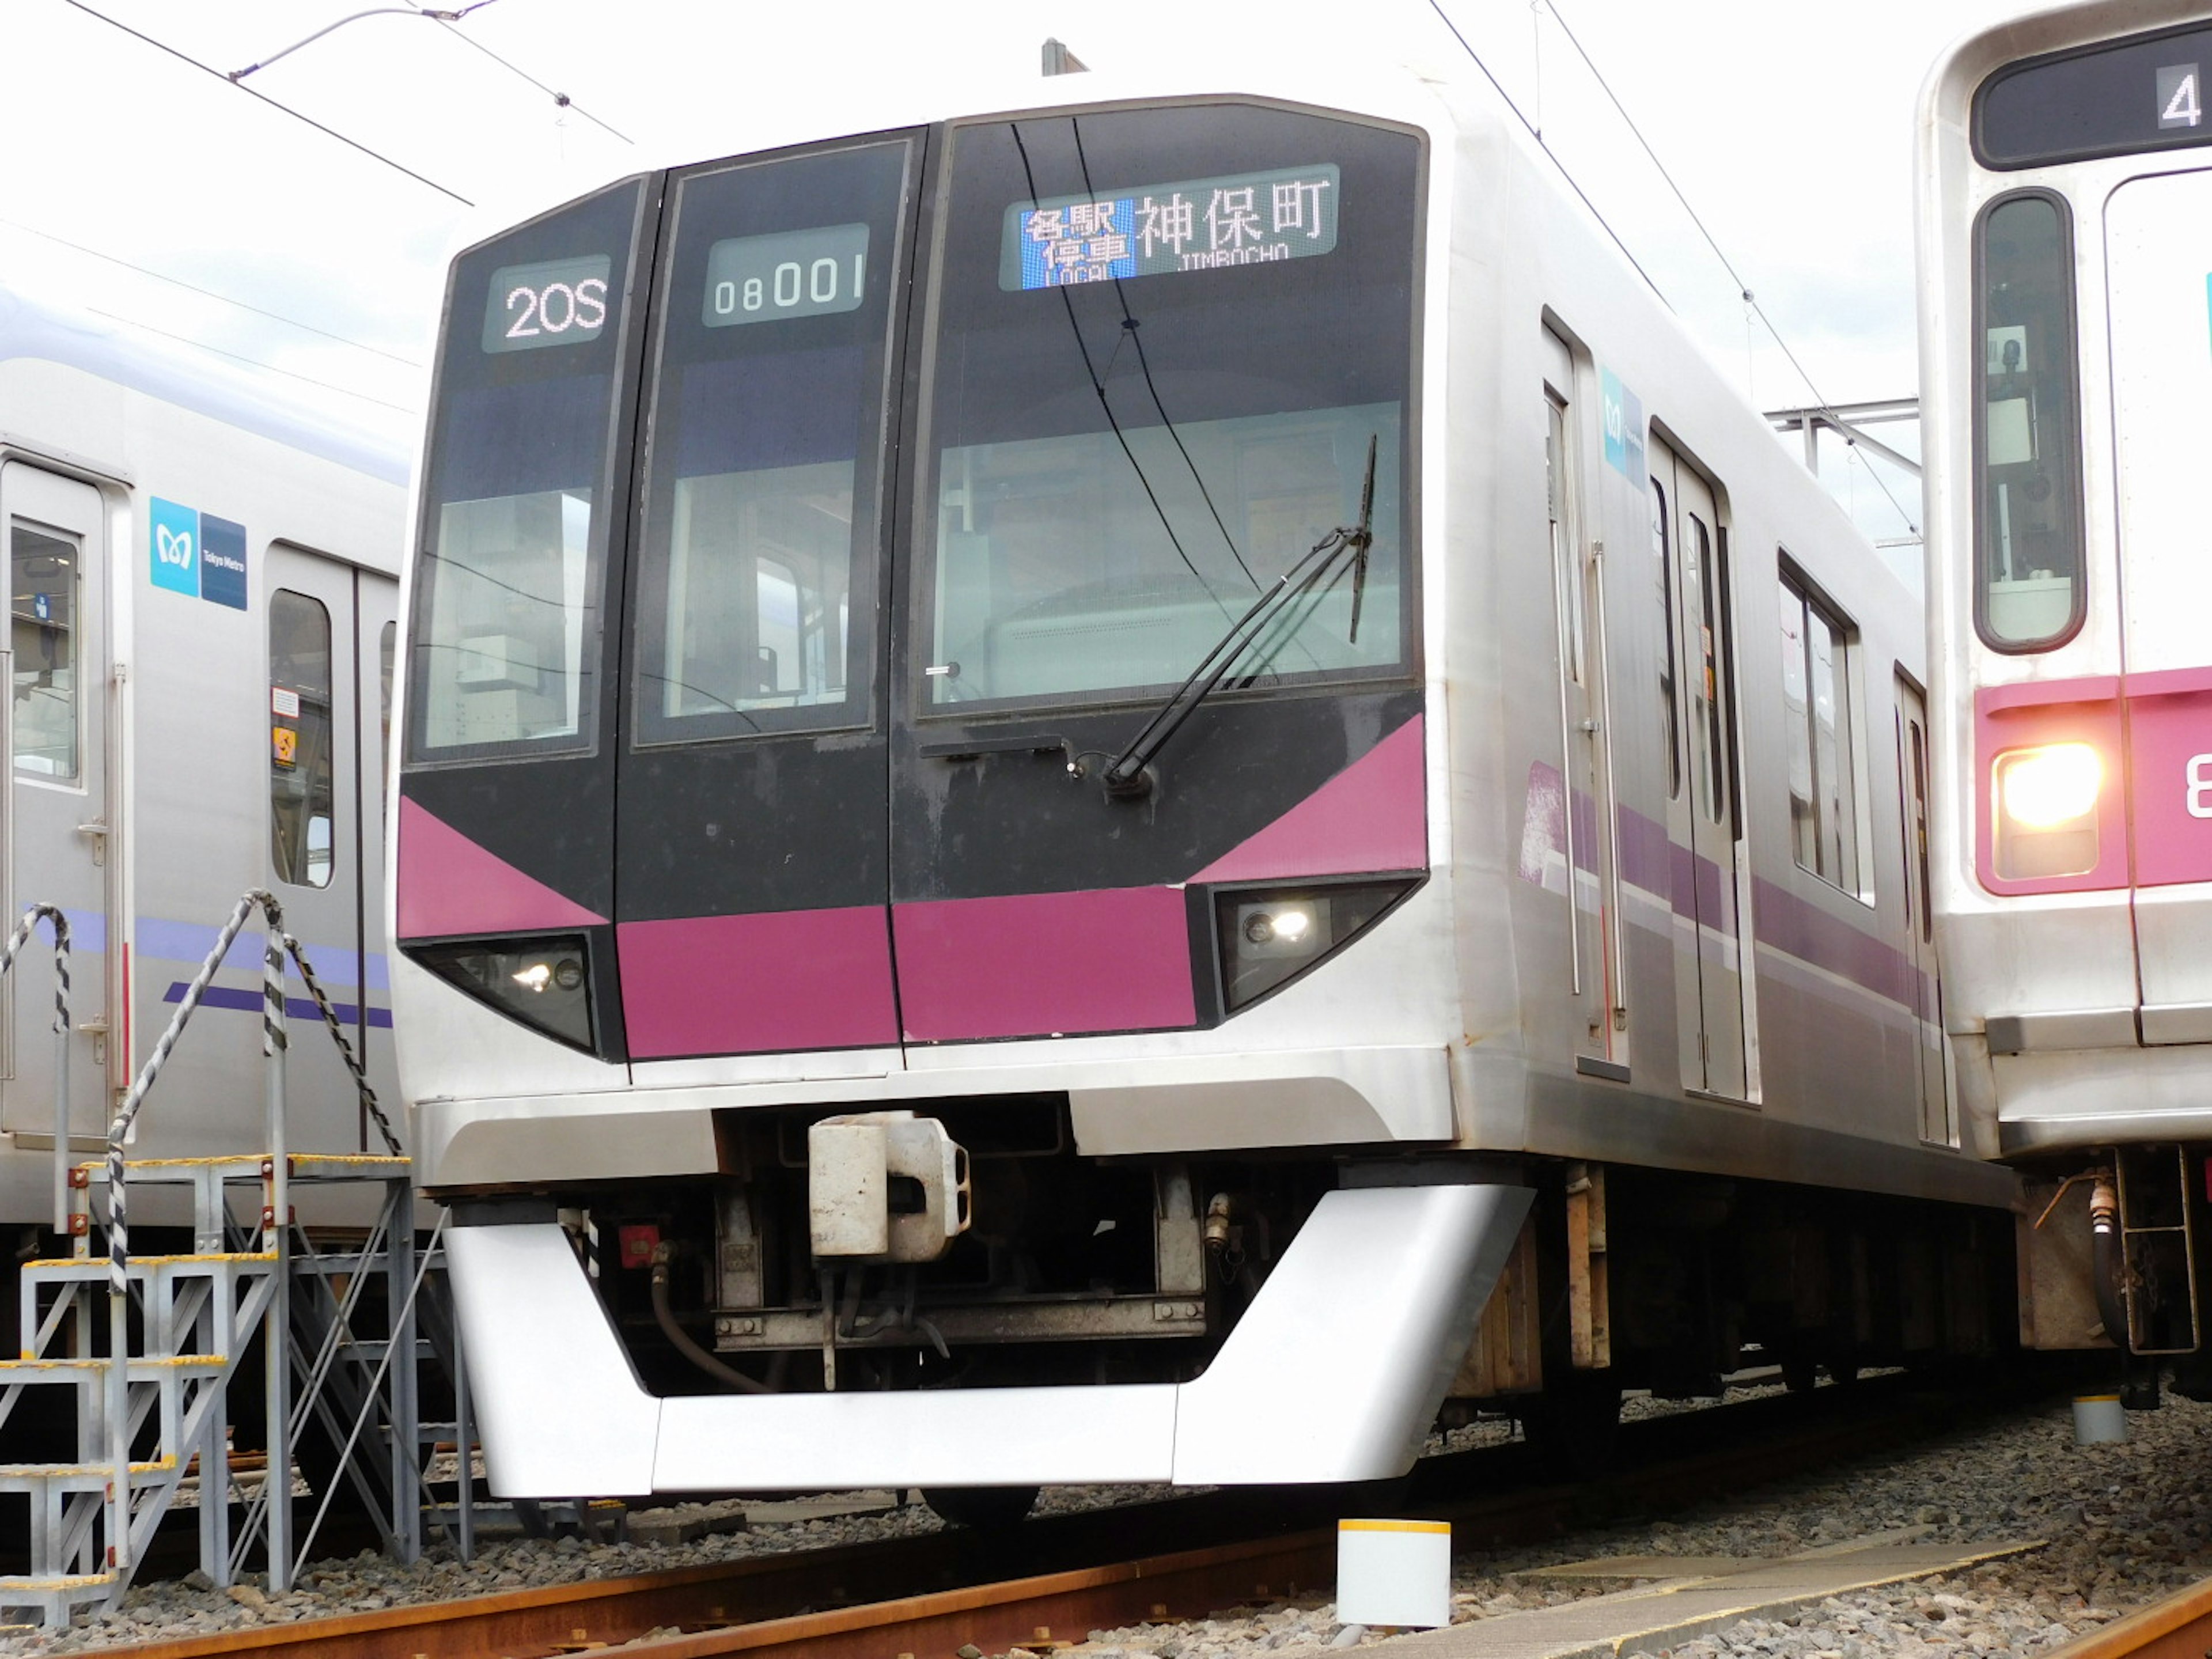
(1704, 819)
(58, 849)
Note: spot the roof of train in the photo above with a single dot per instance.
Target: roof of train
(33, 329)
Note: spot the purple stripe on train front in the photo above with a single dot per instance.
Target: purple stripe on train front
(448, 885)
(755, 984)
(1373, 815)
(1038, 963)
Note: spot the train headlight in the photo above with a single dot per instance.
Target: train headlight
(2046, 818)
(1270, 937)
(542, 982)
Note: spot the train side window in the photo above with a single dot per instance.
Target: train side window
(43, 632)
(300, 798)
(1701, 598)
(2028, 452)
(1556, 477)
(1669, 731)
(1824, 793)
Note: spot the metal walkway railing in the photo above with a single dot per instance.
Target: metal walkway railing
(329, 1372)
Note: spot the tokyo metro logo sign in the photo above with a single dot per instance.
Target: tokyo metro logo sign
(197, 553)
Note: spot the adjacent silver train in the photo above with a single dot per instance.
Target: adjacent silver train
(2066, 234)
(202, 585)
(1129, 788)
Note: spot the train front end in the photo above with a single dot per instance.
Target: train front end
(2065, 196)
(923, 959)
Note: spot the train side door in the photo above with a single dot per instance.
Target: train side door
(58, 849)
(1706, 888)
(1937, 1124)
(1587, 809)
(325, 819)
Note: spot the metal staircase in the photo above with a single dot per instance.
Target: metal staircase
(348, 1330)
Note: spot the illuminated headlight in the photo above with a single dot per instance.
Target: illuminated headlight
(1268, 938)
(2046, 810)
(542, 982)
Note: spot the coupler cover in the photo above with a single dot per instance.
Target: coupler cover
(884, 1187)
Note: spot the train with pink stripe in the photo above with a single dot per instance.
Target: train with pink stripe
(2066, 236)
(1141, 787)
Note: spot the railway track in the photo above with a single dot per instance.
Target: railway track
(2179, 1627)
(1053, 1581)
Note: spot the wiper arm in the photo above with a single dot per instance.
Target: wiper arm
(1126, 774)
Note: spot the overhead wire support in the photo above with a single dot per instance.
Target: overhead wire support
(448, 16)
(328, 132)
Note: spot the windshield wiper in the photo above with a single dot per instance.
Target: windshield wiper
(1125, 775)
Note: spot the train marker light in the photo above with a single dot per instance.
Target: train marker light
(2045, 788)
(2045, 821)
(1269, 938)
(542, 982)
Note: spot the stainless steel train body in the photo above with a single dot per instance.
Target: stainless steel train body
(2065, 193)
(202, 585)
(872, 1026)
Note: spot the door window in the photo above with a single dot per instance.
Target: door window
(43, 635)
(300, 763)
(767, 413)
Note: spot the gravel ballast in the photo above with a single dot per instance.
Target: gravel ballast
(2124, 1525)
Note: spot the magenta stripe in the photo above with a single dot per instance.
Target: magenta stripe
(1371, 816)
(448, 885)
(1038, 964)
(755, 984)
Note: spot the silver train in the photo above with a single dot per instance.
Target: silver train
(1134, 789)
(202, 585)
(2065, 195)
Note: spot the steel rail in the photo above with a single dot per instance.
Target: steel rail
(2179, 1627)
(798, 1601)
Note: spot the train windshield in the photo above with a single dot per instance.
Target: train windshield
(508, 611)
(755, 604)
(1163, 341)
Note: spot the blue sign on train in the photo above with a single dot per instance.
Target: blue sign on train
(193, 552)
(1622, 411)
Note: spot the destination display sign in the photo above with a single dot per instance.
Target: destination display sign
(2146, 93)
(1195, 224)
(794, 273)
(553, 302)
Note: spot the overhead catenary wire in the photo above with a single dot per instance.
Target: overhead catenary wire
(1750, 300)
(329, 132)
(205, 293)
(1536, 132)
(255, 362)
(448, 17)
(560, 98)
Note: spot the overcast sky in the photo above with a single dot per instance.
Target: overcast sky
(1789, 128)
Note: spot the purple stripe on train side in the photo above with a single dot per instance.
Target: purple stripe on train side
(1371, 816)
(756, 984)
(449, 885)
(295, 1008)
(1667, 869)
(1037, 963)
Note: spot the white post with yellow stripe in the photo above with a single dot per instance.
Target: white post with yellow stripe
(1393, 1572)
